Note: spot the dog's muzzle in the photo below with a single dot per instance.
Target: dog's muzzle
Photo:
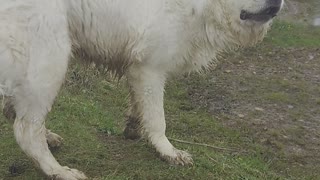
(271, 10)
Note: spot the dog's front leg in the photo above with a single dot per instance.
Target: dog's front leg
(147, 90)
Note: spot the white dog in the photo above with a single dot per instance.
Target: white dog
(144, 40)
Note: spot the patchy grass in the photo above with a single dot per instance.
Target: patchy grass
(271, 92)
(263, 102)
(286, 34)
(89, 114)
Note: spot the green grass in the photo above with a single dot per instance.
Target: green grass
(286, 34)
(90, 115)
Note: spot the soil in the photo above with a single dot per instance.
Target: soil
(273, 95)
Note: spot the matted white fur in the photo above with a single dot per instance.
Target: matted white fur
(144, 40)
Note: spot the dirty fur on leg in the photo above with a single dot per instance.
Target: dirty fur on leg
(133, 128)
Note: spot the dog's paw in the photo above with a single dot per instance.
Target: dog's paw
(133, 128)
(65, 173)
(131, 133)
(178, 157)
(53, 139)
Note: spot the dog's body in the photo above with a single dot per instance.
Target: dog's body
(144, 40)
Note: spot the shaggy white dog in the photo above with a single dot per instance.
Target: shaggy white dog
(144, 40)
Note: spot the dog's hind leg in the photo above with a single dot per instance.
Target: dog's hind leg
(147, 88)
(133, 125)
(53, 139)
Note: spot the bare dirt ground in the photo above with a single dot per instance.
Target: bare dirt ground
(271, 94)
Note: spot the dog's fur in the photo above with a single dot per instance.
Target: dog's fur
(144, 40)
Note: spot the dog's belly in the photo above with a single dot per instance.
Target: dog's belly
(125, 32)
(109, 36)
(149, 32)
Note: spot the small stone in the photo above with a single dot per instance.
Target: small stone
(263, 140)
(228, 71)
(311, 57)
(240, 115)
(258, 109)
(316, 21)
(290, 107)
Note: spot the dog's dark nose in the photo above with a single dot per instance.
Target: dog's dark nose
(274, 3)
(273, 7)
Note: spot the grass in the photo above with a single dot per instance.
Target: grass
(286, 34)
(90, 112)
(91, 118)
